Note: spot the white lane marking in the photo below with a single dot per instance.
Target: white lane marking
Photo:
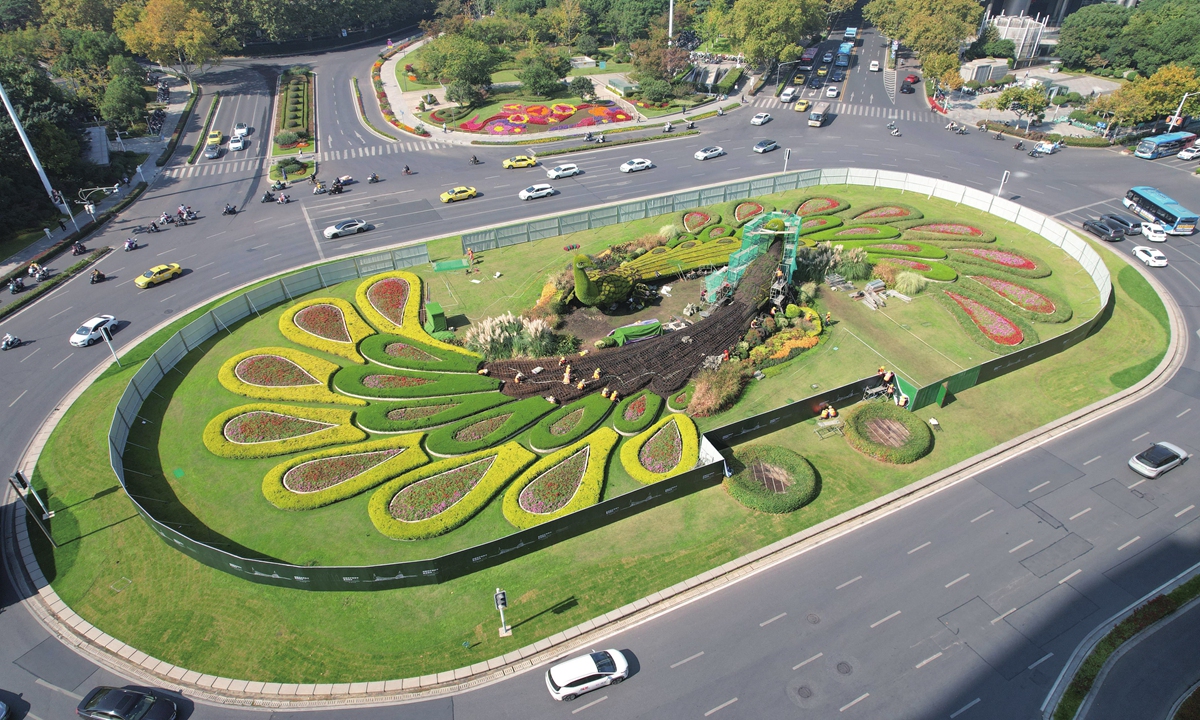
(168, 297)
(283, 226)
(848, 582)
(1089, 462)
(926, 544)
(210, 237)
(272, 257)
(765, 623)
(1010, 612)
(14, 402)
(964, 708)
(218, 277)
(926, 661)
(1139, 482)
(877, 623)
(1186, 509)
(1185, 412)
(597, 701)
(722, 706)
(1060, 582)
(1010, 552)
(166, 252)
(312, 231)
(204, 266)
(814, 657)
(1039, 487)
(687, 659)
(260, 246)
(35, 352)
(1081, 513)
(1039, 662)
(957, 580)
(854, 702)
(1130, 542)
(60, 312)
(56, 688)
(1139, 437)
(989, 512)
(60, 362)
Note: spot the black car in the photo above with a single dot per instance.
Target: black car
(907, 89)
(1103, 231)
(1124, 223)
(815, 83)
(109, 703)
(838, 75)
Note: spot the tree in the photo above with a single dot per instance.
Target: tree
(632, 19)
(713, 22)
(937, 65)
(926, 25)
(458, 57)
(653, 59)
(656, 91)
(169, 32)
(771, 29)
(16, 14)
(543, 70)
(464, 93)
(583, 87)
(1021, 101)
(952, 79)
(586, 45)
(1091, 32)
(1164, 89)
(567, 19)
(835, 8)
(123, 102)
(1160, 32)
(79, 14)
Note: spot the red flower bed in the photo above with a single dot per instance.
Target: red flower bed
(1002, 257)
(389, 296)
(899, 247)
(906, 263)
(693, 221)
(888, 211)
(272, 371)
(481, 429)
(992, 324)
(261, 426)
(394, 381)
(1018, 295)
(949, 229)
(418, 412)
(662, 452)
(432, 496)
(324, 473)
(857, 231)
(324, 321)
(553, 489)
(635, 409)
(408, 352)
(567, 422)
(747, 210)
(813, 205)
(716, 231)
(815, 222)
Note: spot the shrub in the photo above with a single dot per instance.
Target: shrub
(410, 456)
(748, 489)
(599, 446)
(509, 460)
(588, 412)
(320, 370)
(717, 390)
(727, 83)
(355, 328)
(808, 293)
(399, 384)
(286, 138)
(649, 404)
(689, 449)
(487, 428)
(341, 431)
(669, 232)
(910, 283)
(425, 413)
(792, 311)
(411, 354)
(506, 336)
(683, 257)
(920, 437)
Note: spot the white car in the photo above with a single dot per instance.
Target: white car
(1157, 459)
(89, 332)
(831, 91)
(636, 164)
(562, 171)
(763, 146)
(238, 142)
(709, 152)
(568, 680)
(1189, 153)
(346, 227)
(1154, 232)
(536, 191)
(1151, 256)
(761, 119)
(875, 66)
(241, 130)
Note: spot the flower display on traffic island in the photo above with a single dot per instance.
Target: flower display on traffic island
(426, 498)
(566, 423)
(516, 119)
(668, 447)
(992, 324)
(1018, 295)
(324, 473)
(260, 427)
(662, 451)
(888, 212)
(272, 371)
(406, 351)
(693, 221)
(906, 263)
(380, 382)
(817, 205)
(331, 325)
(553, 489)
(1003, 258)
(747, 210)
(949, 229)
(561, 483)
(389, 297)
(325, 321)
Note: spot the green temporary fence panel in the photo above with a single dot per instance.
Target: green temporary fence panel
(435, 319)
(448, 265)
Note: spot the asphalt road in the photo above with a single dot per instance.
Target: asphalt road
(897, 619)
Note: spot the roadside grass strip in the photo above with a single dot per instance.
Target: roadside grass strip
(376, 383)
(487, 428)
(668, 447)
(328, 324)
(636, 412)
(409, 415)
(327, 476)
(407, 353)
(267, 429)
(279, 373)
(439, 497)
(559, 484)
(569, 423)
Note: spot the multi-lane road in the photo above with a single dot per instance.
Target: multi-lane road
(966, 604)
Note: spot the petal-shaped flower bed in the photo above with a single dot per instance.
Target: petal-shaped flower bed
(1020, 264)
(696, 220)
(716, 231)
(264, 430)
(936, 271)
(389, 297)
(409, 415)
(680, 399)
(856, 232)
(278, 373)
(1037, 305)
(561, 483)
(487, 428)
(992, 324)
(906, 263)
(812, 225)
(668, 447)
(327, 476)
(1018, 295)
(821, 205)
(372, 382)
(391, 301)
(408, 353)
(1003, 258)
(912, 249)
(328, 324)
(636, 412)
(569, 423)
(747, 210)
(957, 230)
(890, 212)
(435, 499)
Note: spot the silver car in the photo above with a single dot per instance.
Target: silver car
(345, 227)
(1157, 459)
(709, 152)
(562, 171)
(92, 330)
(570, 679)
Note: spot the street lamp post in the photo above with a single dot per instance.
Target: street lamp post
(1003, 179)
(55, 197)
(1178, 117)
(86, 193)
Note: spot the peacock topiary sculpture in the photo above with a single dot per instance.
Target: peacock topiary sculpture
(601, 289)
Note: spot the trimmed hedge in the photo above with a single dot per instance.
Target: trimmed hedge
(920, 438)
(687, 459)
(321, 371)
(654, 404)
(410, 457)
(828, 222)
(1062, 309)
(343, 431)
(714, 217)
(913, 214)
(938, 272)
(680, 399)
(1029, 335)
(374, 418)
(510, 460)
(748, 491)
(412, 312)
(212, 110)
(855, 232)
(909, 232)
(600, 445)
(349, 380)
(683, 257)
(681, 239)
(522, 413)
(956, 256)
(924, 250)
(356, 328)
(841, 205)
(594, 408)
(374, 348)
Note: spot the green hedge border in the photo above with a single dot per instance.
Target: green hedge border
(686, 392)
(321, 370)
(687, 458)
(832, 222)
(349, 380)
(741, 486)
(374, 417)
(356, 328)
(607, 142)
(920, 441)
(654, 405)
(914, 214)
(1062, 309)
(924, 251)
(591, 485)
(212, 110)
(842, 205)
(410, 458)
(937, 272)
(374, 349)
(972, 330)
(511, 459)
(343, 431)
(882, 232)
(1041, 271)
(595, 410)
(441, 442)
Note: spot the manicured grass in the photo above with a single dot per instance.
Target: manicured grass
(270, 634)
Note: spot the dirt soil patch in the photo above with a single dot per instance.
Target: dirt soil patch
(589, 324)
(772, 477)
(886, 431)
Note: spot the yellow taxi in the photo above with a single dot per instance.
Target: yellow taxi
(800, 79)
(461, 192)
(214, 138)
(823, 71)
(157, 274)
(802, 105)
(520, 161)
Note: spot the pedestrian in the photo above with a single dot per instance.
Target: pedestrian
(283, 171)
(62, 225)
(470, 257)
(125, 180)
(444, 128)
(828, 318)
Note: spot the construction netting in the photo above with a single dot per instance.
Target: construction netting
(755, 241)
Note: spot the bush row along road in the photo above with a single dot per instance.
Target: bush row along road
(895, 619)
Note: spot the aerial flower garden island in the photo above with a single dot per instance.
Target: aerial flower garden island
(352, 426)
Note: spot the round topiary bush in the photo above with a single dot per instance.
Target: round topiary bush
(888, 433)
(772, 479)
(286, 138)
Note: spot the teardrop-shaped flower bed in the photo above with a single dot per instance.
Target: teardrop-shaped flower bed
(747, 210)
(812, 225)
(924, 250)
(716, 231)
(324, 321)
(327, 476)
(680, 399)
(388, 382)
(636, 412)
(955, 229)
(391, 301)
(569, 423)
(857, 232)
(816, 205)
(279, 373)
(331, 325)
(410, 415)
(561, 483)
(410, 353)
(441, 496)
(1018, 295)
(487, 428)
(267, 429)
(1004, 258)
(481, 428)
(389, 297)
(373, 382)
(888, 213)
(272, 371)
(992, 324)
(906, 263)
(695, 220)
(668, 447)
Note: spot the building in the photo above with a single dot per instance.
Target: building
(1025, 32)
(984, 70)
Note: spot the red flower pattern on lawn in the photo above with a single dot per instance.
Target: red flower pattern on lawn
(906, 263)
(566, 423)
(815, 222)
(389, 296)
(418, 411)
(1002, 257)
(948, 229)
(663, 450)
(481, 429)
(272, 371)
(857, 231)
(260, 426)
(813, 205)
(435, 495)
(888, 211)
(324, 473)
(325, 321)
(405, 351)
(992, 324)
(716, 231)
(1018, 295)
(394, 381)
(898, 247)
(693, 221)
(553, 489)
(635, 409)
(747, 210)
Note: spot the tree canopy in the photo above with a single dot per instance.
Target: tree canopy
(1154, 34)
(927, 26)
(775, 29)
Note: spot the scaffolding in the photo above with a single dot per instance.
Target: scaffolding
(755, 241)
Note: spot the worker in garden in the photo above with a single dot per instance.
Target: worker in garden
(596, 374)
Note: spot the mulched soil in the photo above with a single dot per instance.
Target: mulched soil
(886, 431)
(772, 477)
(589, 324)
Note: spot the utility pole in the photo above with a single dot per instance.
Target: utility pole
(1177, 118)
(37, 164)
(670, 22)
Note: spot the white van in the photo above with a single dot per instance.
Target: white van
(874, 66)
(789, 94)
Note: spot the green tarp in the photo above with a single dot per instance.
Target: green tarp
(640, 331)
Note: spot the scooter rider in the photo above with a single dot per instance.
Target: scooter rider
(8, 341)
(34, 269)
(407, 171)
(130, 244)
(474, 161)
(97, 276)
(153, 226)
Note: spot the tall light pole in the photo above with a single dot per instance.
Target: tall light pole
(37, 164)
(670, 22)
(1178, 117)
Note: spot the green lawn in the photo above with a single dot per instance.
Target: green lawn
(212, 622)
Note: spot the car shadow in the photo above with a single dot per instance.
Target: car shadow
(18, 706)
(635, 665)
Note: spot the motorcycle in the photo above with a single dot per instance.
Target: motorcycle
(278, 185)
(78, 249)
(11, 343)
(667, 127)
(41, 275)
(895, 132)
(1034, 153)
(97, 277)
(283, 199)
(267, 197)
(372, 179)
(166, 219)
(600, 139)
(229, 210)
(1019, 146)
(473, 161)
(691, 125)
(407, 171)
(336, 189)
(960, 131)
(130, 244)
(999, 135)
(15, 285)
(320, 188)
(189, 215)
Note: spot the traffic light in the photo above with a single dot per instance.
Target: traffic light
(501, 599)
(56, 197)
(20, 480)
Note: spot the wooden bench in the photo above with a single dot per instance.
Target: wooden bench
(827, 428)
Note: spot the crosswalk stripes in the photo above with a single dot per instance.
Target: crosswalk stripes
(237, 166)
(861, 110)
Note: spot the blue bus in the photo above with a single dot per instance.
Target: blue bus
(1153, 205)
(1160, 145)
(845, 48)
(851, 34)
